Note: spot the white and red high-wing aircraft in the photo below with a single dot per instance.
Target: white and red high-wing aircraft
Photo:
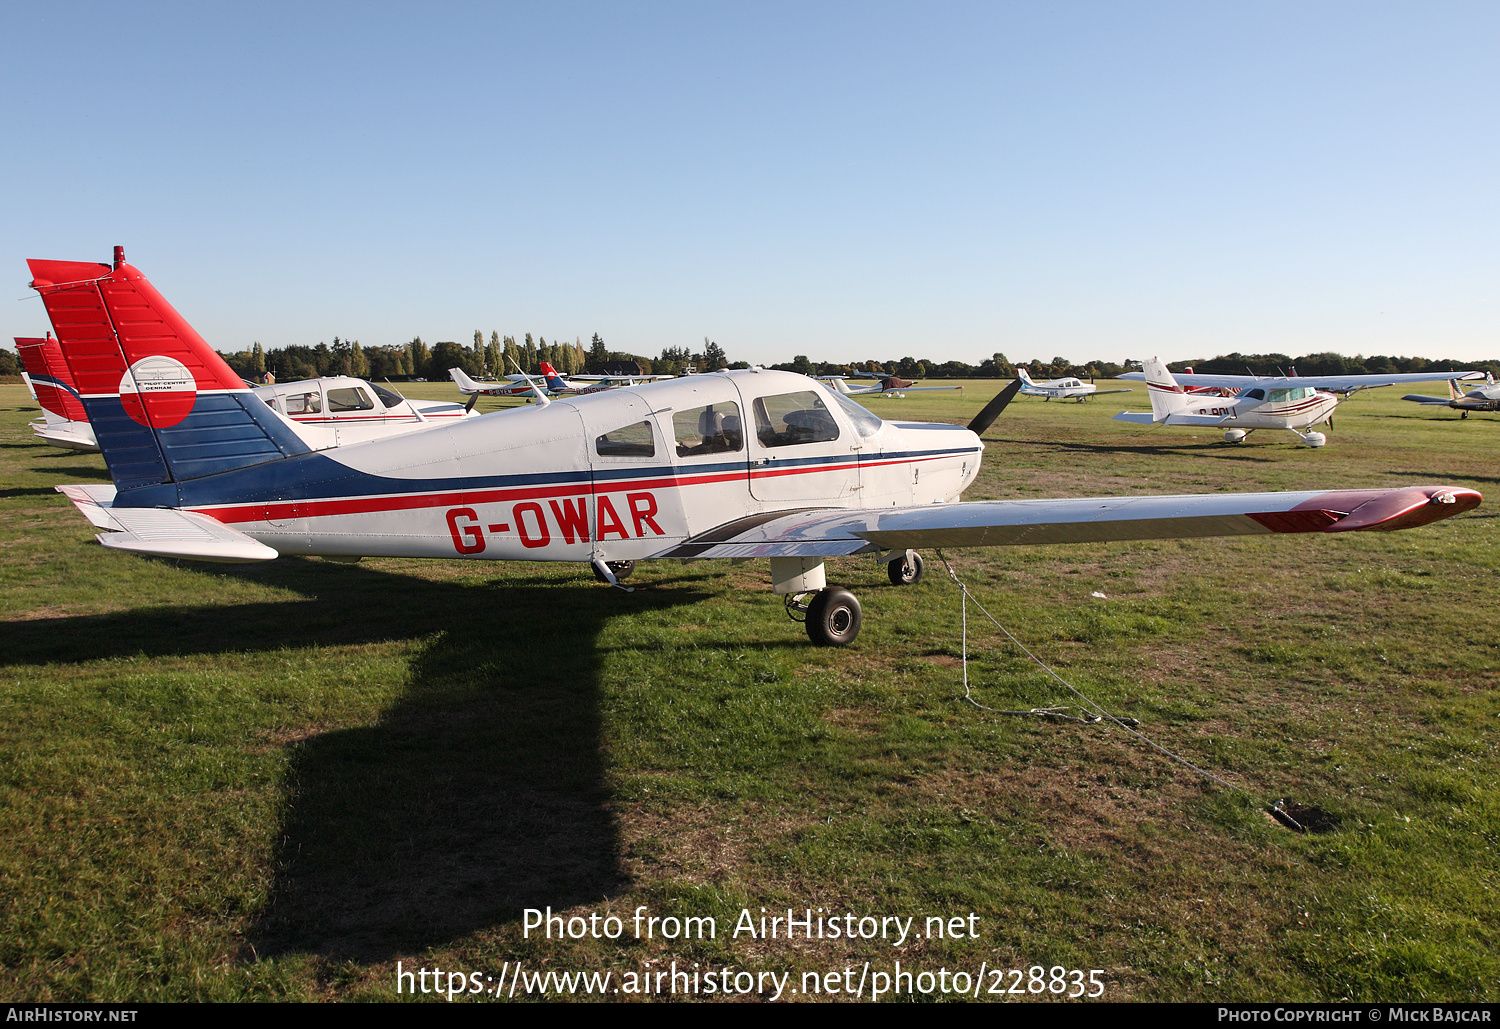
(747, 464)
(1292, 402)
(63, 423)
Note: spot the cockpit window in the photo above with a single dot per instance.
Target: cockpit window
(351, 398)
(715, 429)
(304, 403)
(1255, 394)
(865, 422)
(627, 441)
(792, 419)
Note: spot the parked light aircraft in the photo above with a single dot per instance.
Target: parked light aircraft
(1294, 403)
(1061, 389)
(746, 464)
(554, 384)
(1482, 398)
(330, 411)
(887, 385)
(63, 423)
(336, 410)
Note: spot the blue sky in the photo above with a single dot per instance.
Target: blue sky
(846, 181)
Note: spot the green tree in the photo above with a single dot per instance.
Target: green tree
(598, 355)
(714, 357)
(419, 356)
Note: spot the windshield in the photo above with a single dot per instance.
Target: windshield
(389, 397)
(865, 423)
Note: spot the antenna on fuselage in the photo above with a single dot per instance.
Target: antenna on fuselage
(541, 398)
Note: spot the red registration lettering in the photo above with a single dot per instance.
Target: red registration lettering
(543, 536)
(572, 518)
(642, 508)
(467, 539)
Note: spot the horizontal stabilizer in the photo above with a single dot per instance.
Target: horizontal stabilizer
(1135, 418)
(165, 532)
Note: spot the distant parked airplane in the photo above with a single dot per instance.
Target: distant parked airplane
(1483, 398)
(1061, 389)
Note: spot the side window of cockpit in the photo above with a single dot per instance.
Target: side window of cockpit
(715, 429)
(1278, 396)
(1256, 394)
(351, 398)
(793, 418)
(627, 441)
(304, 403)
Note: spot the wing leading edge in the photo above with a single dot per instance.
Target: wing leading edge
(1003, 523)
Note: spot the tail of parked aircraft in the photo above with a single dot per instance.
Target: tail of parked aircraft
(1454, 393)
(1166, 395)
(50, 379)
(553, 380)
(164, 405)
(465, 384)
(1024, 375)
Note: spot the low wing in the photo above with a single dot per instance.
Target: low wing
(1417, 398)
(1331, 383)
(1103, 392)
(165, 532)
(999, 523)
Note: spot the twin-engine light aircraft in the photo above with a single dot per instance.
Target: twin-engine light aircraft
(1061, 389)
(745, 464)
(1482, 398)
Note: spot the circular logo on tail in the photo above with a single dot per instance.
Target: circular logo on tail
(158, 386)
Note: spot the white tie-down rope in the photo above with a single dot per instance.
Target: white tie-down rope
(1099, 714)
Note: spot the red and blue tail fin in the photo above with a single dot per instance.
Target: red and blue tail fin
(50, 378)
(553, 380)
(164, 405)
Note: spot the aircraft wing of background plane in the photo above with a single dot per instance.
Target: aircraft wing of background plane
(1329, 383)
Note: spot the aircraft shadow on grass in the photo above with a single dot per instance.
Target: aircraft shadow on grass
(480, 791)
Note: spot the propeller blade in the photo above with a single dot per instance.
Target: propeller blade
(473, 399)
(984, 419)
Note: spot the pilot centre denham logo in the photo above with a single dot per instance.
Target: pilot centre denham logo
(158, 391)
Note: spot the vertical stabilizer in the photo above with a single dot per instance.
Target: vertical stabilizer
(164, 405)
(50, 379)
(1166, 395)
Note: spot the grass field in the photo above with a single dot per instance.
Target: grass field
(243, 783)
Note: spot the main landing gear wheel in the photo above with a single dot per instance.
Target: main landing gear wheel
(906, 571)
(833, 617)
(622, 570)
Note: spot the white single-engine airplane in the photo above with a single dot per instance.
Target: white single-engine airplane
(746, 464)
(553, 384)
(886, 385)
(1482, 398)
(1295, 403)
(1061, 389)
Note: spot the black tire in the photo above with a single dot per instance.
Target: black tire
(622, 570)
(907, 571)
(833, 617)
